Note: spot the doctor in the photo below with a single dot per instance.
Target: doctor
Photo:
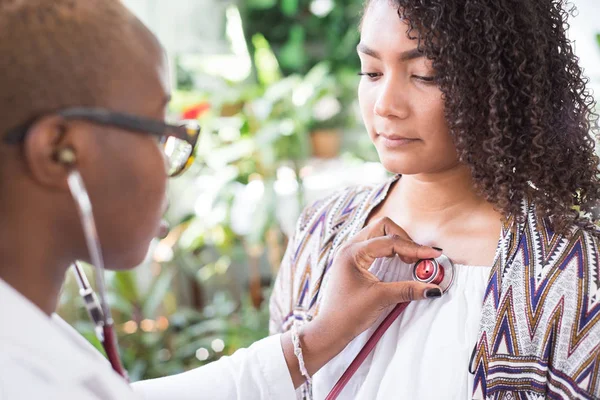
(84, 88)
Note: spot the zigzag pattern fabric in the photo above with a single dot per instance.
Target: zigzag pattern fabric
(540, 324)
(540, 330)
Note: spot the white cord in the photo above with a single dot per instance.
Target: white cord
(84, 207)
(298, 352)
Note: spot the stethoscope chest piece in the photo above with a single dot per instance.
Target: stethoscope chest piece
(439, 271)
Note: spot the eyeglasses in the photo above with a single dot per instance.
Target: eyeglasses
(178, 141)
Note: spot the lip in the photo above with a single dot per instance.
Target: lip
(163, 229)
(395, 141)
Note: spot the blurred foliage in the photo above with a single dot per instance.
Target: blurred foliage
(158, 336)
(304, 33)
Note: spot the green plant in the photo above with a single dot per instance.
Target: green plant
(158, 334)
(306, 32)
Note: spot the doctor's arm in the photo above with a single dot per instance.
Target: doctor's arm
(355, 299)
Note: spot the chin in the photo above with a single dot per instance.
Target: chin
(127, 260)
(403, 166)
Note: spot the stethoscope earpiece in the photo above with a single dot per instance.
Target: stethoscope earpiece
(65, 156)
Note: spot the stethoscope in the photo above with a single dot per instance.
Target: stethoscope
(97, 309)
(439, 271)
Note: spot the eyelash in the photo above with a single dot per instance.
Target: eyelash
(375, 75)
(370, 75)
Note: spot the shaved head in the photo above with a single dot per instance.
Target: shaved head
(58, 54)
(62, 53)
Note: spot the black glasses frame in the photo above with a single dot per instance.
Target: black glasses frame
(188, 131)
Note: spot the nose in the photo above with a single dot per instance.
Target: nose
(391, 100)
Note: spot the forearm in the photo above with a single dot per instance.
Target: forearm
(258, 372)
(319, 345)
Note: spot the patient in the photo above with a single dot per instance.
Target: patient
(480, 111)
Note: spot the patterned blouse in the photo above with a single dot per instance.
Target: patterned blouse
(539, 334)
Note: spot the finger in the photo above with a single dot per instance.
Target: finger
(411, 252)
(364, 253)
(401, 292)
(380, 227)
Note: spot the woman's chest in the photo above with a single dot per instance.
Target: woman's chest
(466, 244)
(468, 238)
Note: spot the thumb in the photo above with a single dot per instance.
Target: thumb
(402, 292)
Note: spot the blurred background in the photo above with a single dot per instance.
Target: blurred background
(273, 85)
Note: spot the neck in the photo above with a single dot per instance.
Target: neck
(439, 196)
(31, 259)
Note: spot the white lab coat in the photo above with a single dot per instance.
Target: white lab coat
(44, 358)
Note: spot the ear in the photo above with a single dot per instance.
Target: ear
(51, 151)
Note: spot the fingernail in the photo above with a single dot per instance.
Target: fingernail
(437, 248)
(433, 293)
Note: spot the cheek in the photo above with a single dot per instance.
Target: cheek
(145, 198)
(127, 183)
(141, 183)
(438, 136)
(152, 171)
(432, 120)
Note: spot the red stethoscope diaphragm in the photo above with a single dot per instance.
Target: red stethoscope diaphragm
(438, 271)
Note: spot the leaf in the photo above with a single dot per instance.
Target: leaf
(120, 303)
(289, 7)
(265, 61)
(282, 89)
(318, 73)
(124, 285)
(86, 329)
(293, 53)
(137, 371)
(209, 326)
(157, 292)
(346, 48)
(260, 4)
(228, 154)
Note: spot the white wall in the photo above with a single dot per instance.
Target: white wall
(185, 26)
(584, 27)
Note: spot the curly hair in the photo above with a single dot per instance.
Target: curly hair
(516, 102)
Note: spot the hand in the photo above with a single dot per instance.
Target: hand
(355, 298)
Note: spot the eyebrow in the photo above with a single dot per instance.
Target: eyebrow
(404, 56)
